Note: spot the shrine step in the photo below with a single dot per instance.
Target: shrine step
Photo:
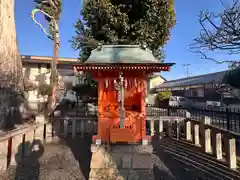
(121, 162)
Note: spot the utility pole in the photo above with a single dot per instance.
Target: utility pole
(187, 68)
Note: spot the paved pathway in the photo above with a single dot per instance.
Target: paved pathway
(70, 160)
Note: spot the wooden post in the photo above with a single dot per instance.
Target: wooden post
(82, 128)
(206, 134)
(49, 133)
(152, 126)
(29, 137)
(38, 133)
(196, 135)
(65, 124)
(17, 145)
(73, 128)
(230, 149)
(169, 128)
(188, 134)
(160, 128)
(217, 145)
(188, 130)
(3, 155)
(178, 132)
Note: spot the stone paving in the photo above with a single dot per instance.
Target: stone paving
(70, 160)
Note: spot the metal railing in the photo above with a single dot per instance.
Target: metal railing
(227, 119)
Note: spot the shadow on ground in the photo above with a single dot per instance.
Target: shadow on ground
(81, 149)
(26, 167)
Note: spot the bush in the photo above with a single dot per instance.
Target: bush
(164, 95)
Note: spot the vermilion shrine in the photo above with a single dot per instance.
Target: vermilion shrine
(121, 72)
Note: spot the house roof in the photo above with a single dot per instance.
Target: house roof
(195, 80)
(47, 59)
(118, 54)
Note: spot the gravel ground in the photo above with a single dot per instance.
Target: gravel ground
(70, 161)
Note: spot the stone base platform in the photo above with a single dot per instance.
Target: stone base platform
(121, 162)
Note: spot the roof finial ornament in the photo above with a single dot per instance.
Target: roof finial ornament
(144, 45)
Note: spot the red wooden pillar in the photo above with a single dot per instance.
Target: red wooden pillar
(143, 107)
(100, 107)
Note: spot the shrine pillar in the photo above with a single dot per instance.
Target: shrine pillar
(100, 107)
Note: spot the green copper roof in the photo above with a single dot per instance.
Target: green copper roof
(107, 54)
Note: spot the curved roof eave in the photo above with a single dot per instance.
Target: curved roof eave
(117, 54)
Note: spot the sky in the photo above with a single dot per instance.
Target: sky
(32, 41)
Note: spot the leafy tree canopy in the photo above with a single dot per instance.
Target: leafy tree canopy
(124, 22)
(52, 8)
(232, 78)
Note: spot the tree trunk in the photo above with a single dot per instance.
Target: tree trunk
(11, 78)
(54, 73)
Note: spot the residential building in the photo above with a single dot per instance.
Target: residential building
(152, 82)
(202, 88)
(37, 69)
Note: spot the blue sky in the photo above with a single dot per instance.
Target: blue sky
(32, 41)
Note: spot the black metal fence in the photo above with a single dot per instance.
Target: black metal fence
(225, 118)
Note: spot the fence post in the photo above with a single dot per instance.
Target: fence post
(196, 135)
(178, 129)
(228, 113)
(230, 148)
(3, 155)
(49, 132)
(169, 128)
(160, 128)
(168, 111)
(217, 145)
(188, 133)
(206, 134)
(82, 127)
(152, 126)
(65, 124)
(73, 128)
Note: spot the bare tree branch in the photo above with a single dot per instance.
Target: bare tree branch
(219, 32)
(204, 56)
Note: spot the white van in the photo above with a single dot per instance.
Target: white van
(179, 101)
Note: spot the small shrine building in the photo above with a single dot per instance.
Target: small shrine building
(121, 72)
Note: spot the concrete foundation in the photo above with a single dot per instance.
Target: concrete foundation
(121, 162)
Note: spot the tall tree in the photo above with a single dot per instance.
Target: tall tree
(220, 32)
(124, 22)
(51, 9)
(11, 78)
